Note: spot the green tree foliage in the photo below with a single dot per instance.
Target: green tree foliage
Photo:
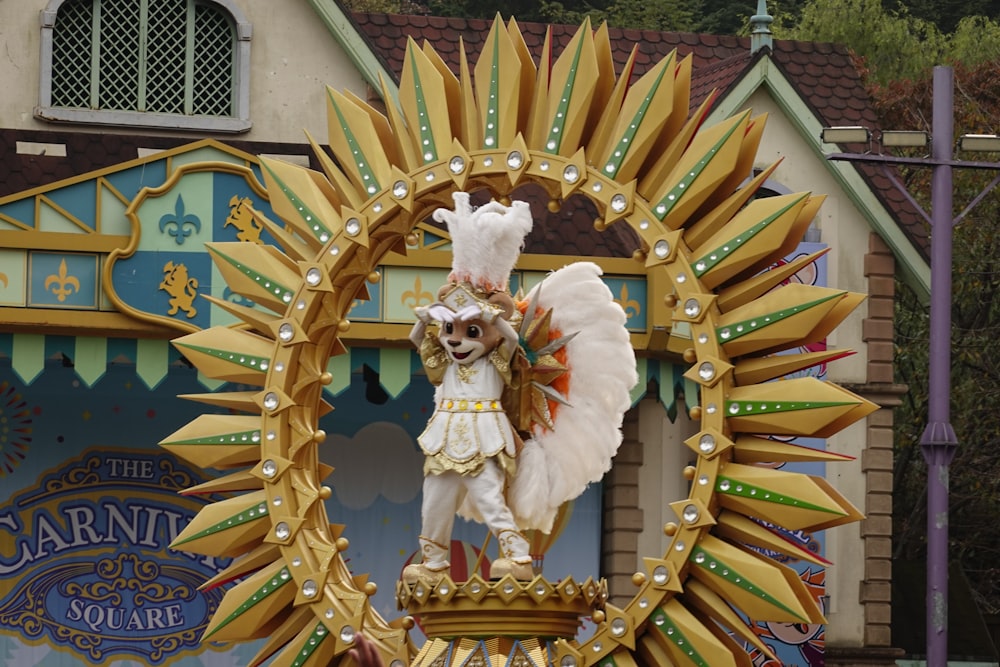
(975, 494)
(895, 44)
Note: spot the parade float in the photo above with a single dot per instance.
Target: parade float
(575, 129)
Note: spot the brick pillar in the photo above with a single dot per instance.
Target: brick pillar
(622, 518)
(876, 463)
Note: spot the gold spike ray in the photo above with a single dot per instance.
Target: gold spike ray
(338, 179)
(685, 639)
(228, 354)
(313, 646)
(705, 600)
(259, 320)
(655, 175)
(761, 369)
(426, 104)
(498, 89)
(705, 163)
(743, 168)
(749, 237)
(244, 401)
(300, 618)
(792, 500)
(800, 406)
(259, 272)
(227, 528)
(712, 221)
(356, 144)
(261, 557)
(528, 73)
(234, 482)
(738, 528)
(752, 449)
(762, 588)
(645, 112)
(255, 607)
(298, 199)
(777, 320)
(217, 441)
(742, 293)
(601, 137)
(570, 93)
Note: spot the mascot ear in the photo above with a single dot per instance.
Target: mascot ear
(504, 301)
(444, 290)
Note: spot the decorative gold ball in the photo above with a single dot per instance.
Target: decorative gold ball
(344, 325)
(639, 255)
(325, 492)
(639, 578)
(695, 412)
(412, 239)
(690, 355)
(670, 300)
(407, 622)
(326, 378)
(374, 277)
(505, 200)
(319, 435)
(371, 588)
(343, 544)
(598, 616)
(689, 472)
(554, 205)
(599, 224)
(670, 529)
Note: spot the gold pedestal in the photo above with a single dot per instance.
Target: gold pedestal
(504, 622)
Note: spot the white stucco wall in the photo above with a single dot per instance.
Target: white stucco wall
(293, 58)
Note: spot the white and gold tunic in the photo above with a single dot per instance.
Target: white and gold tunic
(469, 424)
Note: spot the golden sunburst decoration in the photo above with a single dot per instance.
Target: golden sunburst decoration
(572, 127)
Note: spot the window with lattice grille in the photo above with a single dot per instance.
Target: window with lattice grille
(158, 63)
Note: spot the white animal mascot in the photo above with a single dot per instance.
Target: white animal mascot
(529, 395)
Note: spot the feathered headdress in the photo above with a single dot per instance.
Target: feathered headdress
(486, 241)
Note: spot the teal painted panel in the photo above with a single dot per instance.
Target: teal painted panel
(79, 200)
(21, 210)
(630, 293)
(179, 219)
(63, 280)
(130, 181)
(407, 288)
(13, 277)
(370, 310)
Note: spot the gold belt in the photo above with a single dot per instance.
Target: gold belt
(470, 405)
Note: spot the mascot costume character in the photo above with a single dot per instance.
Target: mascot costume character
(529, 394)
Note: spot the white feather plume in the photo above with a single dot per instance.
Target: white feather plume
(486, 241)
(557, 465)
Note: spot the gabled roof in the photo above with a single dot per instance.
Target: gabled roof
(823, 76)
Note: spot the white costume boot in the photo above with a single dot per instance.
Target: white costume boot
(433, 566)
(515, 561)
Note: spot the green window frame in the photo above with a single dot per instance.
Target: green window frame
(181, 64)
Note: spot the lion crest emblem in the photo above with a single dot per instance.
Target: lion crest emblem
(181, 288)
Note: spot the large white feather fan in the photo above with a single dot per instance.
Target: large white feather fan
(557, 464)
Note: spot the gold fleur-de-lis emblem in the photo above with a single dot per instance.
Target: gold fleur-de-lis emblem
(3, 279)
(62, 284)
(418, 296)
(631, 307)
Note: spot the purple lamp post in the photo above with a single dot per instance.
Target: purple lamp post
(938, 442)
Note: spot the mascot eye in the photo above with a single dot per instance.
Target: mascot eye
(449, 327)
(473, 332)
